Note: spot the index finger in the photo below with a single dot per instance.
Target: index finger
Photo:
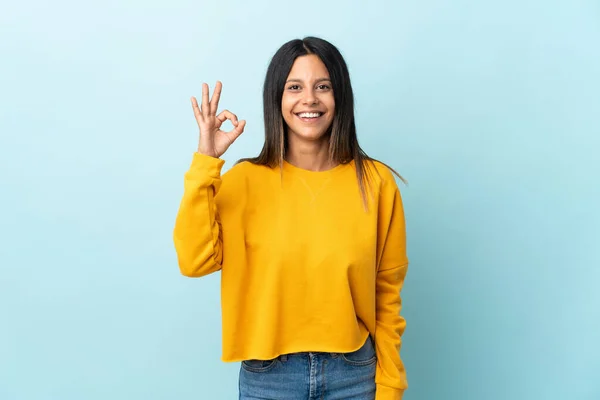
(214, 102)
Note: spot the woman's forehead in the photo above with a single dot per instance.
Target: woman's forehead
(308, 68)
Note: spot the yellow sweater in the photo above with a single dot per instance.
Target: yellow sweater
(303, 266)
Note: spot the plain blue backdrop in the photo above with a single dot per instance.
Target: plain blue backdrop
(490, 110)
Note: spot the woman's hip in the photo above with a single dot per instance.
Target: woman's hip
(311, 375)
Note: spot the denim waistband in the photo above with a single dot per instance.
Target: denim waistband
(310, 354)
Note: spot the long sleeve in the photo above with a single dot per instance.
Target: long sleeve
(390, 376)
(197, 233)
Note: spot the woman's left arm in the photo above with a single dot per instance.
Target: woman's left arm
(391, 270)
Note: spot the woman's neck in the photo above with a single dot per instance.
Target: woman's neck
(309, 155)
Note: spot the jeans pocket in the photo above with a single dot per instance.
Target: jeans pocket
(259, 365)
(364, 356)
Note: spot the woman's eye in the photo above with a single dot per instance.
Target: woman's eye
(323, 87)
(294, 87)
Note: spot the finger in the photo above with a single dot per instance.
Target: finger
(196, 109)
(214, 102)
(205, 105)
(238, 130)
(227, 115)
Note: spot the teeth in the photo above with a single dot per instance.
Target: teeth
(309, 115)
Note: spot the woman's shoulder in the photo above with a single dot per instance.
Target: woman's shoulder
(382, 173)
(244, 172)
(238, 184)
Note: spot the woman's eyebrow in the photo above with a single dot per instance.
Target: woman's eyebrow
(300, 80)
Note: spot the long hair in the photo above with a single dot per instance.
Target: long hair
(343, 142)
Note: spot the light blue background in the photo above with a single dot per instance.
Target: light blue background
(489, 109)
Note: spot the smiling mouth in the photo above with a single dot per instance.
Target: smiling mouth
(309, 116)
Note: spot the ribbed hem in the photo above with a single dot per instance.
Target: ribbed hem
(388, 393)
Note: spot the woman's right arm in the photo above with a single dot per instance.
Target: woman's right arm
(197, 235)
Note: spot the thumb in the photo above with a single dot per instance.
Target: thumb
(238, 130)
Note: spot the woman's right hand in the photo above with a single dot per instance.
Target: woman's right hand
(213, 141)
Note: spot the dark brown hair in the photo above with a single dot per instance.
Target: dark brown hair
(343, 142)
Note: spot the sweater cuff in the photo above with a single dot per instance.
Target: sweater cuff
(207, 164)
(388, 393)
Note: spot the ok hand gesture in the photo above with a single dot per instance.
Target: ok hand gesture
(213, 141)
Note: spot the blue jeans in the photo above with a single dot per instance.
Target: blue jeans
(311, 376)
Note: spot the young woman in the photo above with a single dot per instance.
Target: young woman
(309, 238)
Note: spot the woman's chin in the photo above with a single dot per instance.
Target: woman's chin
(309, 135)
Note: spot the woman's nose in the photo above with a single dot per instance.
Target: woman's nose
(309, 97)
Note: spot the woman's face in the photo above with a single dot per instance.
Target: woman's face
(307, 104)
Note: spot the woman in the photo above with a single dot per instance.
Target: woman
(309, 238)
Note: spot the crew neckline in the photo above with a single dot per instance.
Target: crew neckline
(307, 172)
